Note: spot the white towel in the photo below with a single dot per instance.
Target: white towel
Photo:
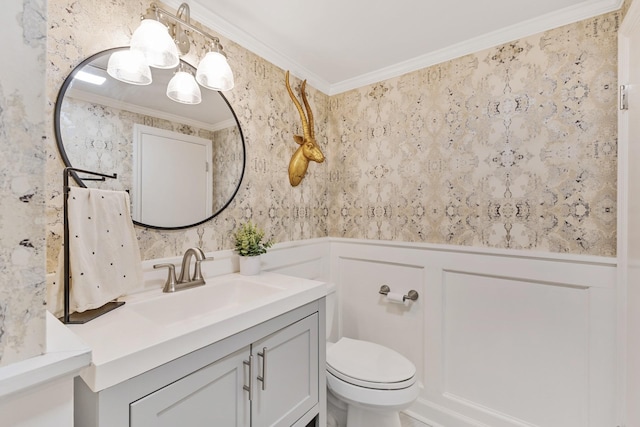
(103, 250)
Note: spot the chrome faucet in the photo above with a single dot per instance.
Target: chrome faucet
(186, 279)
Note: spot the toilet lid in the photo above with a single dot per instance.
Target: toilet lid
(369, 365)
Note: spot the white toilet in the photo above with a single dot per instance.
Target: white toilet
(367, 384)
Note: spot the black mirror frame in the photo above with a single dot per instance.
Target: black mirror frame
(78, 180)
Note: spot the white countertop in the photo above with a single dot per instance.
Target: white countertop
(64, 357)
(127, 342)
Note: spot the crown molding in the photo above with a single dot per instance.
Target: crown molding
(632, 19)
(504, 35)
(543, 23)
(236, 34)
(92, 98)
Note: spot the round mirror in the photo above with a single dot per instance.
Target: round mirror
(182, 164)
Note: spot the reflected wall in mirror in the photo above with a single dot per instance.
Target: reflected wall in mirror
(182, 164)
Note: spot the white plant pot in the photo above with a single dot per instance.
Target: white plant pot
(249, 265)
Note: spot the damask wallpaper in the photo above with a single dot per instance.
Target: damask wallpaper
(226, 167)
(512, 147)
(266, 114)
(22, 251)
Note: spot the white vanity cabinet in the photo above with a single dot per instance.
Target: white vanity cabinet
(269, 375)
(287, 374)
(211, 396)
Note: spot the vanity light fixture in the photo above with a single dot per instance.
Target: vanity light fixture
(153, 40)
(183, 87)
(160, 40)
(130, 67)
(214, 71)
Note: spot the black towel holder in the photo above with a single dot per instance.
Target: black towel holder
(85, 316)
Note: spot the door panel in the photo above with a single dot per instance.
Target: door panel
(211, 396)
(171, 163)
(290, 373)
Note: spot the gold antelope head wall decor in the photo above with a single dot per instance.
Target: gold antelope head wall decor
(308, 150)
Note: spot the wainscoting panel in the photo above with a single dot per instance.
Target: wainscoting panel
(367, 315)
(308, 259)
(517, 347)
(500, 338)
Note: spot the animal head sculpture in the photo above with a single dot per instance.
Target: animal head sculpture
(308, 150)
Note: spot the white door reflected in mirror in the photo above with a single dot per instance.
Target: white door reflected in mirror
(94, 125)
(172, 177)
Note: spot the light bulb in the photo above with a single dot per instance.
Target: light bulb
(214, 72)
(152, 39)
(184, 89)
(129, 67)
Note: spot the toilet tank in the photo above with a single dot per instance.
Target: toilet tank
(331, 302)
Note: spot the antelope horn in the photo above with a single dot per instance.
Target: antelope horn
(303, 118)
(306, 106)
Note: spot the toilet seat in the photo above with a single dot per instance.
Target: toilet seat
(369, 365)
(374, 398)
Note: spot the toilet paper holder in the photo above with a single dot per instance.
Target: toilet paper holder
(411, 295)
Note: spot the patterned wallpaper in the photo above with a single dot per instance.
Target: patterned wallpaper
(98, 138)
(227, 165)
(267, 116)
(512, 147)
(22, 252)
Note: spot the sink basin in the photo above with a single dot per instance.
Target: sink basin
(203, 300)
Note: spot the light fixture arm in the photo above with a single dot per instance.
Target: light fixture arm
(182, 10)
(158, 42)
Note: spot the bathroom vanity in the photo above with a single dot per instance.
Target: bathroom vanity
(239, 351)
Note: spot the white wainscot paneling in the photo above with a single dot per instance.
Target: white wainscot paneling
(519, 348)
(308, 259)
(500, 338)
(369, 316)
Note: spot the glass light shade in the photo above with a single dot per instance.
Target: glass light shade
(214, 72)
(183, 88)
(129, 67)
(152, 39)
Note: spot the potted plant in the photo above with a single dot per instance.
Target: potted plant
(250, 244)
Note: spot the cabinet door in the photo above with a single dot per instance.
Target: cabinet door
(211, 396)
(287, 367)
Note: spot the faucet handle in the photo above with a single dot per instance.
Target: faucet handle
(170, 284)
(197, 275)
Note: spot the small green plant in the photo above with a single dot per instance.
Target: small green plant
(248, 240)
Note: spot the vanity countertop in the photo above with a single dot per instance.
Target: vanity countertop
(64, 357)
(153, 328)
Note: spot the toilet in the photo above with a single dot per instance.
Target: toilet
(367, 384)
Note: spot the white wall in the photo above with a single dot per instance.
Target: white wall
(500, 338)
(629, 217)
